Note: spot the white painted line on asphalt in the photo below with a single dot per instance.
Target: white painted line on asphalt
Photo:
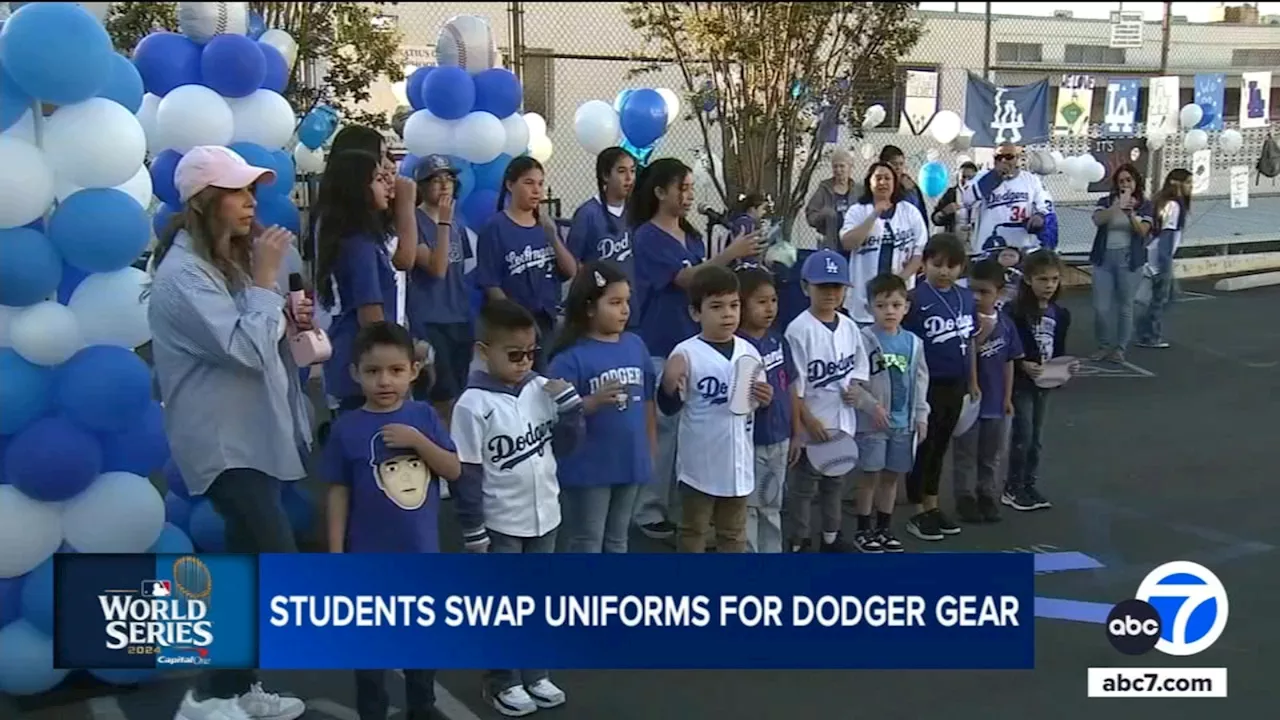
(339, 711)
(449, 705)
(106, 708)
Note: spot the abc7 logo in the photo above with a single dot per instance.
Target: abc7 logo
(1195, 608)
(1133, 627)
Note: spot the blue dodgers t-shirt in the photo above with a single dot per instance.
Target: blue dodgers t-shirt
(615, 449)
(440, 300)
(598, 234)
(944, 320)
(1002, 345)
(897, 352)
(363, 275)
(662, 305)
(519, 261)
(395, 497)
(773, 423)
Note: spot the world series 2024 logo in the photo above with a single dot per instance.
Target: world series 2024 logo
(167, 619)
(1180, 609)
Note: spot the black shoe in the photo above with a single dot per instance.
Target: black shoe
(803, 546)
(988, 509)
(890, 543)
(840, 545)
(967, 510)
(925, 527)
(946, 525)
(1038, 501)
(1017, 499)
(430, 713)
(659, 531)
(868, 541)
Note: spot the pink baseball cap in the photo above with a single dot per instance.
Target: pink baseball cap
(215, 166)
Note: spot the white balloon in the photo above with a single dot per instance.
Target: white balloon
(1078, 183)
(537, 125)
(964, 140)
(308, 161)
(119, 513)
(517, 135)
(425, 134)
(26, 660)
(264, 118)
(1155, 141)
(138, 187)
(1190, 115)
(30, 531)
(1195, 140)
(479, 137)
(541, 148)
(673, 104)
(147, 119)
(617, 99)
(24, 129)
(26, 182)
(867, 150)
(466, 41)
(46, 334)
(596, 126)
(200, 21)
(1230, 141)
(284, 42)
(1097, 172)
(111, 308)
(873, 117)
(97, 143)
(1068, 166)
(7, 314)
(946, 126)
(193, 115)
(1057, 158)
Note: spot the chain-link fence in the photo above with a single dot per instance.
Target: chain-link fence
(568, 53)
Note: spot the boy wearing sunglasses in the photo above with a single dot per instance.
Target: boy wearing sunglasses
(1011, 208)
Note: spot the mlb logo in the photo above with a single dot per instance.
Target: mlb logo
(156, 589)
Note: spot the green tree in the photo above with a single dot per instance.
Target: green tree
(760, 77)
(347, 41)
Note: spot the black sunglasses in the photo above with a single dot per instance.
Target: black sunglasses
(515, 356)
(1006, 156)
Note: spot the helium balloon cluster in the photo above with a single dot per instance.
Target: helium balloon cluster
(1081, 171)
(636, 121)
(215, 83)
(79, 431)
(468, 109)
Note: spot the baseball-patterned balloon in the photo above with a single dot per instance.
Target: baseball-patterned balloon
(200, 21)
(467, 42)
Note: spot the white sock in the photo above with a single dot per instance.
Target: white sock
(829, 538)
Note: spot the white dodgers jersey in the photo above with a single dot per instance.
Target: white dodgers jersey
(829, 361)
(999, 219)
(508, 433)
(715, 451)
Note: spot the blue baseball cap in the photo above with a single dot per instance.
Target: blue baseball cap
(825, 267)
(431, 165)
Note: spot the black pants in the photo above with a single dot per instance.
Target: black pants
(946, 398)
(249, 502)
(372, 701)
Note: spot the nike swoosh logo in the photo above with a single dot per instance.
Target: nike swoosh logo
(926, 308)
(488, 415)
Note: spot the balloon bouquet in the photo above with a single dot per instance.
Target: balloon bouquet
(636, 121)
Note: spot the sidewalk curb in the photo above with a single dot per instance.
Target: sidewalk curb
(1245, 282)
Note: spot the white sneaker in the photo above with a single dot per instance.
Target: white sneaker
(514, 702)
(211, 709)
(545, 693)
(259, 704)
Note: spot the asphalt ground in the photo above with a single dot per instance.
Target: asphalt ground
(1163, 459)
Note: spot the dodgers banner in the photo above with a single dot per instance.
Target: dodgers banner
(330, 611)
(998, 115)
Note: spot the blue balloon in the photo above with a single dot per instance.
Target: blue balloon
(163, 169)
(641, 155)
(30, 268)
(208, 531)
(4, 448)
(37, 225)
(72, 276)
(57, 52)
(173, 480)
(167, 60)
(255, 155)
(276, 78)
(177, 511)
(52, 460)
(498, 91)
(142, 449)
(128, 676)
(932, 179)
(172, 541)
(408, 164)
(286, 172)
(10, 600)
(300, 507)
(466, 177)
(489, 175)
(100, 230)
(257, 25)
(233, 65)
(161, 219)
(14, 101)
(104, 388)
(26, 654)
(37, 597)
(26, 391)
(643, 117)
(413, 86)
(479, 208)
(449, 93)
(124, 84)
(279, 210)
(317, 127)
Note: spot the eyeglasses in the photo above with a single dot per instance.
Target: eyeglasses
(517, 356)
(1006, 156)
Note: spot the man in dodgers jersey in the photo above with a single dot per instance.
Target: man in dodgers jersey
(829, 353)
(1010, 207)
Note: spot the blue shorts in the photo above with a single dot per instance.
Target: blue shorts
(891, 451)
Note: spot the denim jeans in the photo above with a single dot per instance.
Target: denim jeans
(764, 505)
(596, 519)
(1114, 286)
(1150, 321)
(373, 702)
(1025, 440)
(659, 501)
(500, 680)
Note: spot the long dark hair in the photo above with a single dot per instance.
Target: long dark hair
(588, 286)
(1139, 193)
(605, 162)
(198, 217)
(517, 169)
(1026, 305)
(746, 202)
(345, 208)
(868, 198)
(358, 137)
(1171, 191)
(643, 205)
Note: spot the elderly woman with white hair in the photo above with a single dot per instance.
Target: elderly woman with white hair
(826, 209)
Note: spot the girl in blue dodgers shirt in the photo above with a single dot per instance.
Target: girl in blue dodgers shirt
(772, 432)
(519, 257)
(1170, 209)
(599, 230)
(385, 461)
(1042, 327)
(667, 250)
(611, 370)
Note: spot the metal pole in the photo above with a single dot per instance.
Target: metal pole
(986, 49)
(516, 35)
(1167, 26)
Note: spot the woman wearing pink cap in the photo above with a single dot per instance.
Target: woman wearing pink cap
(235, 413)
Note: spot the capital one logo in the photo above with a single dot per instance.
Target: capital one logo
(1180, 609)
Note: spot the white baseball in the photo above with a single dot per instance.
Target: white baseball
(200, 21)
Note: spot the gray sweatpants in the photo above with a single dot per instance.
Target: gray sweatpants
(806, 483)
(975, 458)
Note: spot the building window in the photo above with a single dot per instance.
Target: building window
(539, 83)
(1093, 55)
(1019, 52)
(1255, 58)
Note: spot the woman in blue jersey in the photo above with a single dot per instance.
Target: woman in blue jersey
(599, 230)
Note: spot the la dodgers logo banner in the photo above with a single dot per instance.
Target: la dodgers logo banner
(998, 115)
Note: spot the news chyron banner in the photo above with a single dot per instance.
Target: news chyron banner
(329, 611)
